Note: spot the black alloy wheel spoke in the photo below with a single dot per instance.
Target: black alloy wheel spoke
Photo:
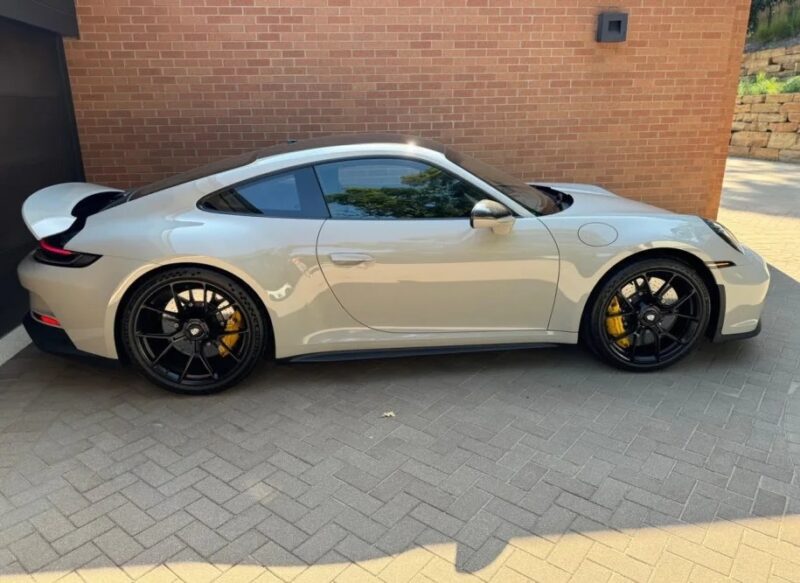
(686, 317)
(635, 345)
(233, 305)
(157, 335)
(672, 337)
(162, 353)
(164, 313)
(659, 295)
(222, 344)
(186, 368)
(179, 304)
(206, 364)
(232, 332)
(205, 294)
(644, 290)
(680, 302)
(657, 340)
(623, 336)
(627, 302)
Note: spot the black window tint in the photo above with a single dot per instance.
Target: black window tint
(292, 194)
(386, 188)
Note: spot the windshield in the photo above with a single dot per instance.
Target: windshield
(532, 198)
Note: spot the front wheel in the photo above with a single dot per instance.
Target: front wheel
(193, 330)
(649, 315)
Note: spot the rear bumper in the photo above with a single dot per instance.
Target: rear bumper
(49, 338)
(84, 300)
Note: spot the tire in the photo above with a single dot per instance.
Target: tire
(193, 330)
(648, 315)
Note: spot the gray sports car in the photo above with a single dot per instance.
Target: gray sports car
(364, 245)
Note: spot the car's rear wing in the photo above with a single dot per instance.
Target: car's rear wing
(55, 209)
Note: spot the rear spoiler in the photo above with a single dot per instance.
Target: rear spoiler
(55, 209)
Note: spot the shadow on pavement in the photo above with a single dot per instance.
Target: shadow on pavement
(298, 467)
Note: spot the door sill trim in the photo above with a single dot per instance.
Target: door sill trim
(369, 354)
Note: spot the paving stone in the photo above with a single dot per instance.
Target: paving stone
(33, 551)
(130, 518)
(201, 538)
(208, 512)
(768, 503)
(515, 466)
(118, 545)
(320, 542)
(52, 525)
(282, 532)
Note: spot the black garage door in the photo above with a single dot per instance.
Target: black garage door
(38, 143)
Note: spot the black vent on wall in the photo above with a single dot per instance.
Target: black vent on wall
(612, 27)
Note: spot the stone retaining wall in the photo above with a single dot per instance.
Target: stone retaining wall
(766, 126)
(781, 62)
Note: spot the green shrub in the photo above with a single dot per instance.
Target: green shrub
(761, 85)
(784, 25)
(791, 85)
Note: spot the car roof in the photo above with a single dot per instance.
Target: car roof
(282, 148)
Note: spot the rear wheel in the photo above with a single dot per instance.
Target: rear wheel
(193, 330)
(649, 315)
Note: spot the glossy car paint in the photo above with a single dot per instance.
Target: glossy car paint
(344, 285)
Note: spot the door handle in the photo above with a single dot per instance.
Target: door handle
(351, 258)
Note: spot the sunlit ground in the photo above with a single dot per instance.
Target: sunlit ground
(758, 543)
(761, 204)
(749, 551)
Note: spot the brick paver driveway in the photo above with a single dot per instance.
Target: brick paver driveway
(535, 465)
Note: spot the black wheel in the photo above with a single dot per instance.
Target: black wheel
(193, 330)
(649, 315)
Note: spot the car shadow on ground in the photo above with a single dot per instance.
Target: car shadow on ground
(299, 465)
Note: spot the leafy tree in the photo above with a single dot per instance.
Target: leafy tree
(758, 7)
(426, 194)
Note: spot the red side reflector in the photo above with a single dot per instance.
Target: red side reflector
(53, 249)
(45, 319)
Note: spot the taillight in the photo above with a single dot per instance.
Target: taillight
(45, 319)
(52, 252)
(52, 249)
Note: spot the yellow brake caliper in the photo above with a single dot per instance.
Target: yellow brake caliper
(615, 324)
(232, 326)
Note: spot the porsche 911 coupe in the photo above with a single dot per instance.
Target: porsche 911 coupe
(372, 245)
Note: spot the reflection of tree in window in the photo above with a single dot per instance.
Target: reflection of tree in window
(429, 193)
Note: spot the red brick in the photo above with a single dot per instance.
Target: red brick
(523, 85)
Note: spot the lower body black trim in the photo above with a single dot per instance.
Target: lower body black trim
(406, 352)
(49, 338)
(740, 336)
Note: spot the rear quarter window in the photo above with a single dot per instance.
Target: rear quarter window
(292, 194)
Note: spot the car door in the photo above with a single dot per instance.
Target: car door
(399, 254)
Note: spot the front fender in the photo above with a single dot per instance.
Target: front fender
(582, 266)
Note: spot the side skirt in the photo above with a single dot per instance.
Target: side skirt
(406, 352)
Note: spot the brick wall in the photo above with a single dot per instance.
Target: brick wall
(163, 85)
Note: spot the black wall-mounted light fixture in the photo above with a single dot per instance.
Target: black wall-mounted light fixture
(612, 27)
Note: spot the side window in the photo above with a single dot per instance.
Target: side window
(293, 194)
(393, 188)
